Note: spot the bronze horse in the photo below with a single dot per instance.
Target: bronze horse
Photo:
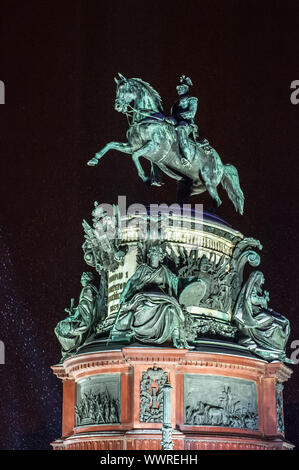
(153, 136)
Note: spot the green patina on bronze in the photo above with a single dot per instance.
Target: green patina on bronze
(262, 330)
(215, 400)
(178, 292)
(171, 144)
(98, 400)
(148, 307)
(80, 325)
(151, 395)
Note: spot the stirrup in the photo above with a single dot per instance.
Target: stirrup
(185, 162)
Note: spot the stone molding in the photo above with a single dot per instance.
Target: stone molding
(74, 367)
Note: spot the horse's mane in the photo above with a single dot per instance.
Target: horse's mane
(150, 89)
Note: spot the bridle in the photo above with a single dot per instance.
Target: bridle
(129, 115)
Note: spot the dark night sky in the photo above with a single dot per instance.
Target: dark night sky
(58, 60)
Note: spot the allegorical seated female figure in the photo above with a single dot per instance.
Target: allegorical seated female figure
(148, 310)
(263, 331)
(74, 330)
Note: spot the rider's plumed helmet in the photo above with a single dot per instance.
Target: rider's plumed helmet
(185, 80)
(184, 84)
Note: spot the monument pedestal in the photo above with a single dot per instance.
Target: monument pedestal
(171, 276)
(223, 400)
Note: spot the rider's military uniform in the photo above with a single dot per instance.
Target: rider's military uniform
(184, 111)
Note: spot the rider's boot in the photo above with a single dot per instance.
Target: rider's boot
(185, 162)
(184, 146)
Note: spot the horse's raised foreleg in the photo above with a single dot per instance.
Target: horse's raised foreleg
(121, 147)
(149, 147)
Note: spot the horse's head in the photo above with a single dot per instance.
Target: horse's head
(126, 92)
(136, 90)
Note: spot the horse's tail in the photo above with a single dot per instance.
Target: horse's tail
(230, 182)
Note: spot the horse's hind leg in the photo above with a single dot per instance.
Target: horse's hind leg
(211, 183)
(146, 149)
(156, 175)
(212, 190)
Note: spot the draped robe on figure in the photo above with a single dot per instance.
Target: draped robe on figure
(148, 307)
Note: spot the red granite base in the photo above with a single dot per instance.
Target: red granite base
(132, 434)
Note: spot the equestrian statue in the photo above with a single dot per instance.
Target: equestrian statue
(171, 143)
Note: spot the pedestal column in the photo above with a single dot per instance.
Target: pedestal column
(119, 395)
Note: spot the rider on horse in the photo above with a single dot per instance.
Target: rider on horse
(151, 135)
(184, 111)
